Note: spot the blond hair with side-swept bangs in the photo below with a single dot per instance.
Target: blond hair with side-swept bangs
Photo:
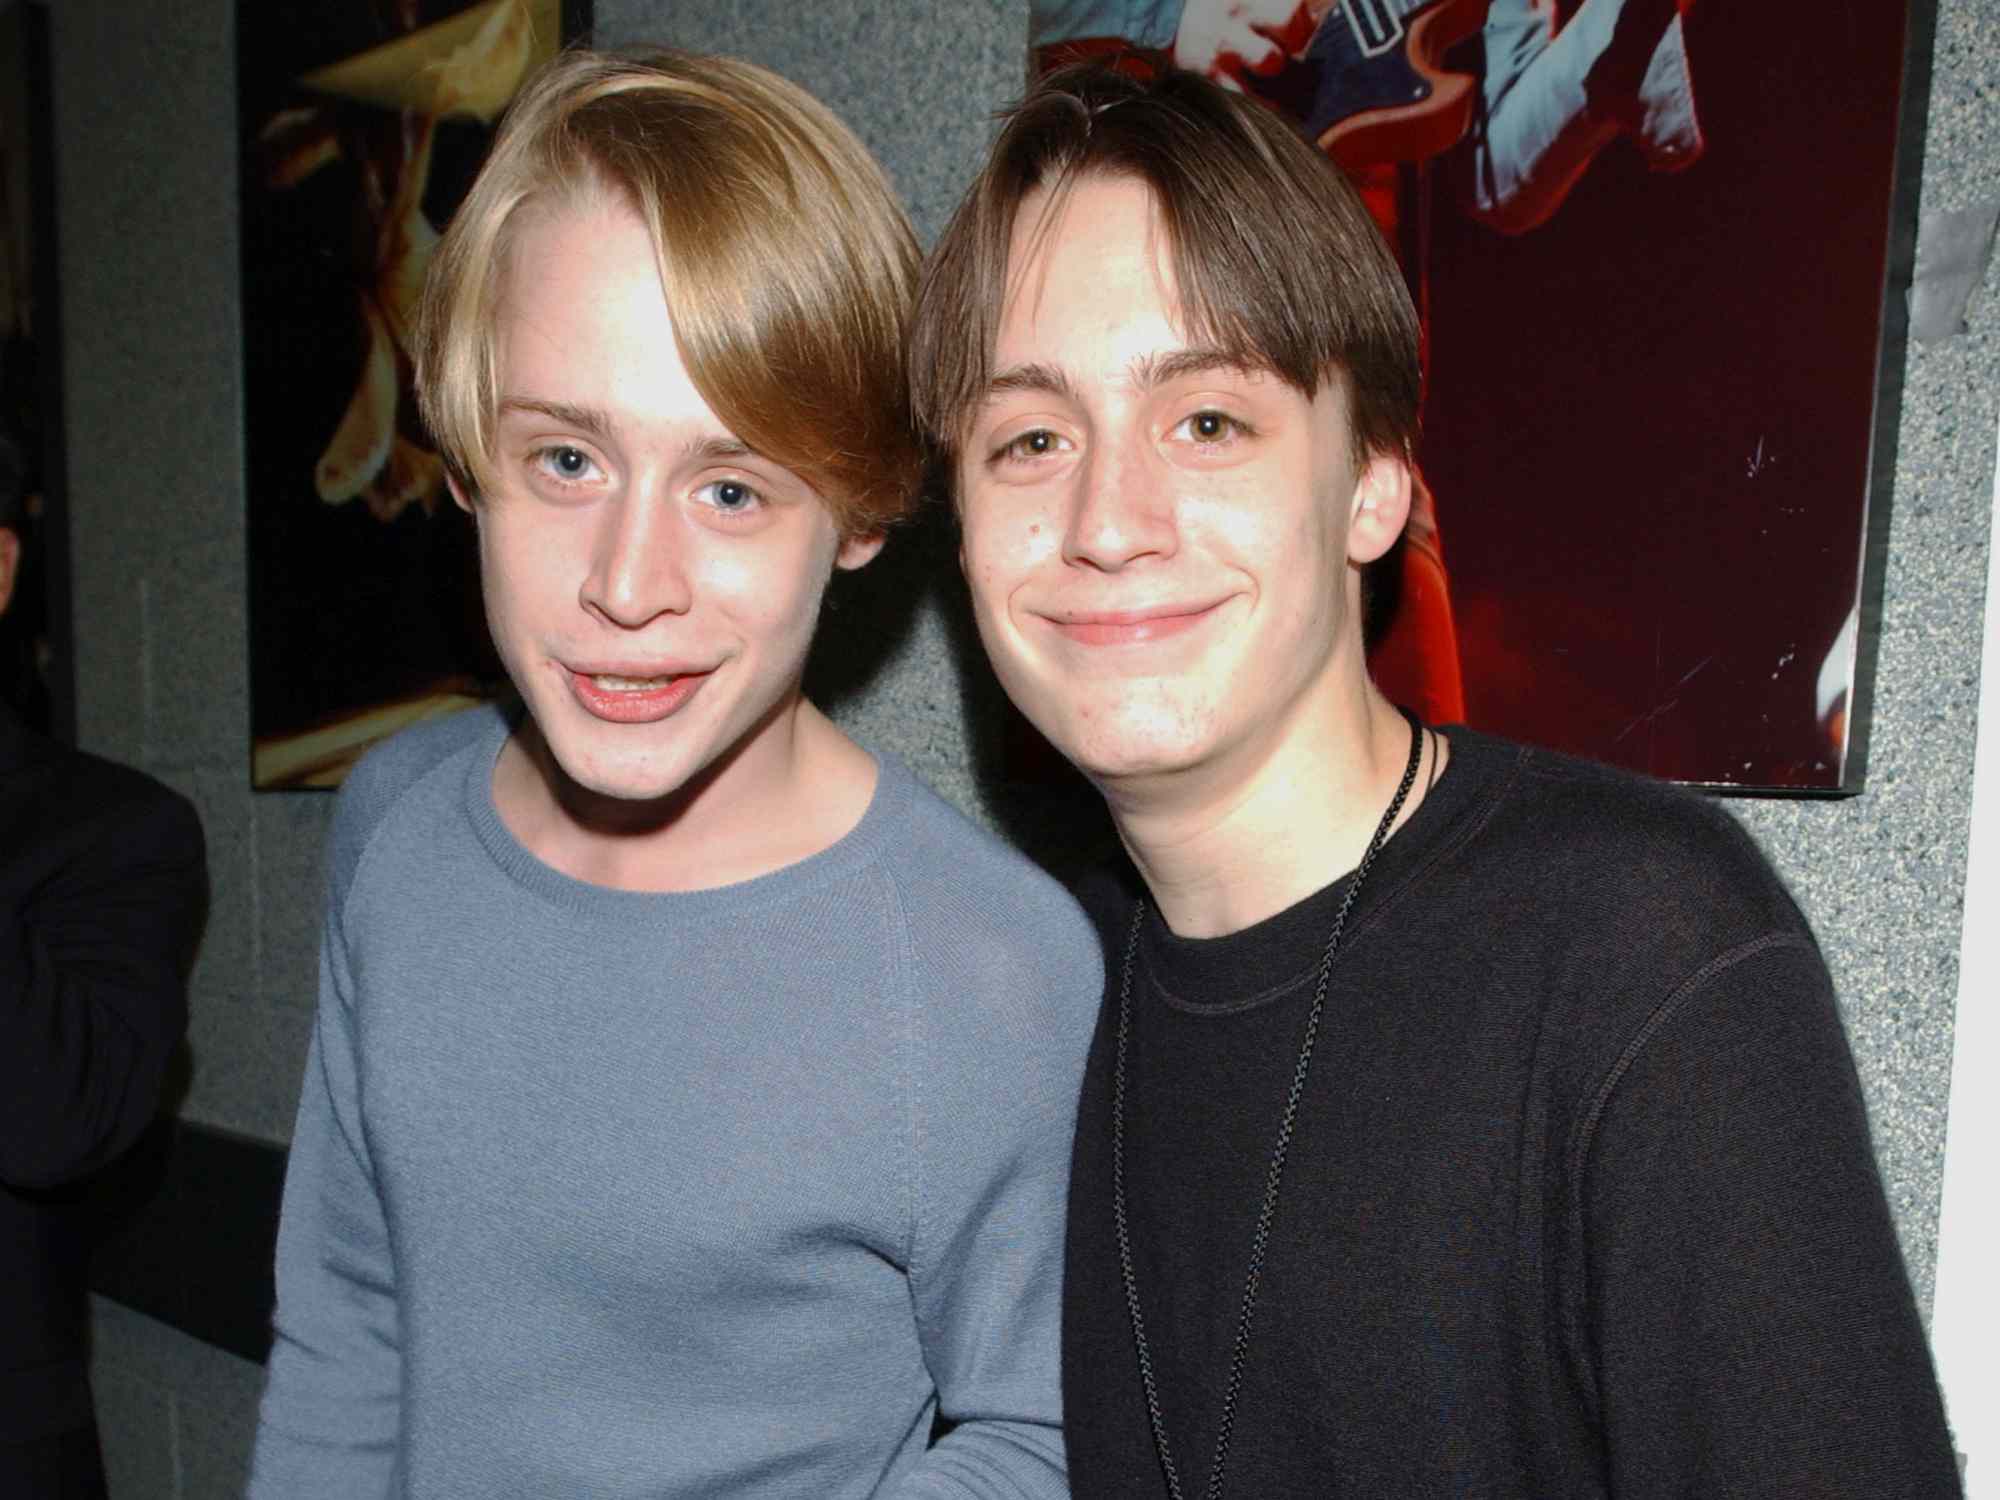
(787, 264)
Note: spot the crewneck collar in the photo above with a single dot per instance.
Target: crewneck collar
(887, 809)
(1280, 955)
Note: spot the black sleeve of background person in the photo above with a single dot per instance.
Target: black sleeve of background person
(101, 899)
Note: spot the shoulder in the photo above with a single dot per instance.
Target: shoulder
(951, 861)
(979, 907)
(92, 800)
(408, 767)
(1612, 844)
(1623, 911)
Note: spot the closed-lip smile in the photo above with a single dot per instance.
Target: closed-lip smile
(1125, 627)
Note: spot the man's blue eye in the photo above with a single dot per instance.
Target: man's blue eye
(731, 497)
(570, 463)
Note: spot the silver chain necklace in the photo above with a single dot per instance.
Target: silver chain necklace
(1260, 1240)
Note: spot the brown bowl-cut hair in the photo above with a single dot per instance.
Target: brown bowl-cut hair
(1276, 261)
(787, 264)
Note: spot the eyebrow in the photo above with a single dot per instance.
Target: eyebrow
(709, 449)
(598, 424)
(1036, 379)
(586, 419)
(1164, 369)
(1148, 372)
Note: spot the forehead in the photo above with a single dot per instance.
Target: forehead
(581, 311)
(1089, 270)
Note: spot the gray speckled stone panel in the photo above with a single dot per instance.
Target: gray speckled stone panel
(918, 82)
(135, 1420)
(215, 1434)
(111, 658)
(149, 308)
(247, 1060)
(290, 850)
(227, 941)
(177, 1416)
(195, 635)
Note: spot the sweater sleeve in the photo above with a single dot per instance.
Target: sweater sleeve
(331, 1409)
(93, 993)
(1744, 1304)
(1002, 1028)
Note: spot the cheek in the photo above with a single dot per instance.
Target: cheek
(524, 571)
(1001, 552)
(1249, 527)
(770, 592)
(499, 579)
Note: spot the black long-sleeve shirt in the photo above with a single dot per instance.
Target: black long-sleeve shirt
(1581, 1201)
(102, 883)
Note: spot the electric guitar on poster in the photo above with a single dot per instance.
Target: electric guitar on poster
(1371, 84)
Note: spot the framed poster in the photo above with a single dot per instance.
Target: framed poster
(362, 124)
(1651, 241)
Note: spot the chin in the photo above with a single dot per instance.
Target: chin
(1113, 746)
(591, 757)
(618, 780)
(1110, 763)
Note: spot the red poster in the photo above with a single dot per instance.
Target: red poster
(1650, 241)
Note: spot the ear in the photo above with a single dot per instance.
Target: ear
(458, 496)
(1381, 506)
(10, 564)
(859, 551)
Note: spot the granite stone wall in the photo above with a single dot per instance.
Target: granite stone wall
(152, 341)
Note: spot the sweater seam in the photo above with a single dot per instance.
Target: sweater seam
(1675, 1004)
(904, 956)
(377, 829)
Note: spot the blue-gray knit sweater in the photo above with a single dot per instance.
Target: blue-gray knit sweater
(727, 1193)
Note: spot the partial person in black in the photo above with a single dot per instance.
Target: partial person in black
(102, 884)
(1462, 1120)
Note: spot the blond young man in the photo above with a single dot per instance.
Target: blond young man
(1462, 1120)
(689, 1103)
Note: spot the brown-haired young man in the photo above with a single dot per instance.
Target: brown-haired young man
(689, 1103)
(1462, 1119)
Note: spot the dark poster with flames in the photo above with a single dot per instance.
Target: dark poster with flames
(362, 124)
(1649, 239)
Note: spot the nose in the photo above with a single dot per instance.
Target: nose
(1121, 511)
(638, 564)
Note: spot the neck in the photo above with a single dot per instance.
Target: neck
(1220, 852)
(792, 787)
